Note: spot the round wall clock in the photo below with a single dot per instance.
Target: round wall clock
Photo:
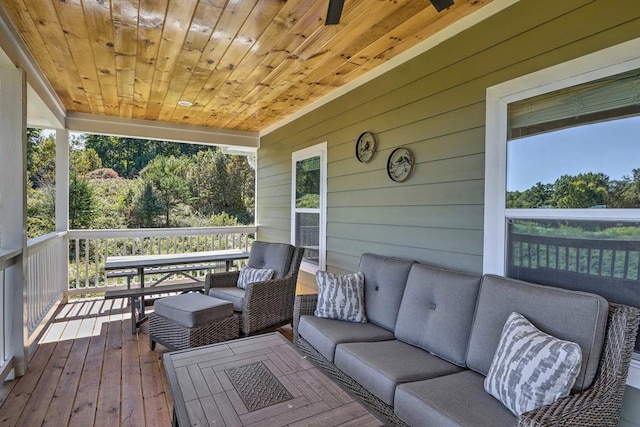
(400, 164)
(366, 147)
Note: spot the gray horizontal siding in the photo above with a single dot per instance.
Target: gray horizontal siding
(434, 105)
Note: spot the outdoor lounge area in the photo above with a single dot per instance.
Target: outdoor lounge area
(465, 168)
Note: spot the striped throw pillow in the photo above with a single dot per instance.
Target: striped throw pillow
(251, 275)
(531, 369)
(341, 296)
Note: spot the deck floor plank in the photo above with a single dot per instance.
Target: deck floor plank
(46, 387)
(108, 410)
(84, 408)
(18, 399)
(132, 398)
(59, 411)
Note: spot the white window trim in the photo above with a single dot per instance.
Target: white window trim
(614, 60)
(313, 151)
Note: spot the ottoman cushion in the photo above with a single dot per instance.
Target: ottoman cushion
(193, 309)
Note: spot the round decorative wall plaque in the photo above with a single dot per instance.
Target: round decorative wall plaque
(365, 147)
(400, 164)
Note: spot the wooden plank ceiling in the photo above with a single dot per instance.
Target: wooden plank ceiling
(245, 64)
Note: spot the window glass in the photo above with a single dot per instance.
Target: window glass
(308, 236)
(308, 201)
(308, 183)
(576, 148)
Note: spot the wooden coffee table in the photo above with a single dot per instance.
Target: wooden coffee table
(257, 381)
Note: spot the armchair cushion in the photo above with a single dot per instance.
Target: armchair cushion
(234, 295)
(276, 256)
(249, 275)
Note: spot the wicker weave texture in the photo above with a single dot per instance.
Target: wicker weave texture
(303, 305)
(178, 337)
(599, 405)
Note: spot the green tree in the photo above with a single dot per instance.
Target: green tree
(82, 202)
(129, 156)
(41, 161)
(83, 160)
(537, 196)
(584, 190)
(40, 211)
(625, 193)
(222, 184)
(167, 175)
(145, 209)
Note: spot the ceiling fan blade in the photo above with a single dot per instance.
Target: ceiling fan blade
(441, 4)
(334, 12)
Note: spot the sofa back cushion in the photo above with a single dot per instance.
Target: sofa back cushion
(569, 315)
(436, 312)
(384, 281)
(276, 256)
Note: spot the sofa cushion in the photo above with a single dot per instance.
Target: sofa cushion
(271, 255)
(381, 366)
(442, 303)
(569, 315)
(451, 401)
(250, 275)
(530, 368)
(341, 296)
(193, 309)
(325, 334)
(233, 295)
(384, 281)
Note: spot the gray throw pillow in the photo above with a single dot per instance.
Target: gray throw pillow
(251, 275)
(531, 369)
(341, 296)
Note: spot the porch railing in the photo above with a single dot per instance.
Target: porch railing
(45, 277)
(88, 250)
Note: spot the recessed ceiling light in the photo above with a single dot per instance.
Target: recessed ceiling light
(184, 103)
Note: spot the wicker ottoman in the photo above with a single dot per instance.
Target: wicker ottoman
(191, 320)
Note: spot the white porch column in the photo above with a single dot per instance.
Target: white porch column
(62, 202)
(13, 193)
(62, 180)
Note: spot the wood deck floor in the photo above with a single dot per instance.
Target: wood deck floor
(90, 370)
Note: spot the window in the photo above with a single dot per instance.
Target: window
(562, 189)
(308, 201)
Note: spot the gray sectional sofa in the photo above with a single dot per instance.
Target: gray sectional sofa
(431, 335)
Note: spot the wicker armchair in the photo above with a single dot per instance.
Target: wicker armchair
(262, 306)
(599, 405)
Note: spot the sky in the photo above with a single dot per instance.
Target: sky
(611, 147)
